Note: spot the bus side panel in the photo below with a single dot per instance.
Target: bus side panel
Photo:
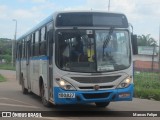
(23, 72)
(44, 74)
(34, 76)
(18, 70)
(31, 75)
(38, 68)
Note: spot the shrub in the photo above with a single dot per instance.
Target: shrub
(7, 58)
(147, 85)
(2, 78)
(147, 93)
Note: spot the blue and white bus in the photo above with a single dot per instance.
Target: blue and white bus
(76, 57)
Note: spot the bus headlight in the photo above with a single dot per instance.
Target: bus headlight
(65, 85)
(125, 83)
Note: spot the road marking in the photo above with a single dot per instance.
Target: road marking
(3, 98)
(14, 105)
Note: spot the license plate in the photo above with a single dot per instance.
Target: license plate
(66, 95)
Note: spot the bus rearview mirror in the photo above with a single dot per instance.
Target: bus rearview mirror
(134, 44)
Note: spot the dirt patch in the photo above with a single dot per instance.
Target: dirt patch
(8, 74)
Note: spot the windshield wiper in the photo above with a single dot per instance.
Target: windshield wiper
(105, 43)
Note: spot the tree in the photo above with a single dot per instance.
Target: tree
(146, 40)
(5, 49)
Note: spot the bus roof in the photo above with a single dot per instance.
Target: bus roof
(52, 16)
(42, 23)
(77, 11)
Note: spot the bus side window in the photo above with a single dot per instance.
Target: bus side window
(32, 44)
(36, 45)
(49, 26)
(29, 44)
(49, 37)
(19, 50)
(42, 44)
(23, 48)
(50, 41)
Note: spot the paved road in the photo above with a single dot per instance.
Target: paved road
(12, 99)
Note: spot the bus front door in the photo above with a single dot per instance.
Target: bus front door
(18, 62)
(50, 68)
(28, 65)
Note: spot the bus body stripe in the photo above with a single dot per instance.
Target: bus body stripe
(35, 58)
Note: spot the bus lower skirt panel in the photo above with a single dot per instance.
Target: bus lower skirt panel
(81, 97)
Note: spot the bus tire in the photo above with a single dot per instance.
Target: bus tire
(44, 101)
(24, 90)
(102, 104)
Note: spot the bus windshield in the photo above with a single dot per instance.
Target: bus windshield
(84, 50)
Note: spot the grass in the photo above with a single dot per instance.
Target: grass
(147, 85)
(7, 67)
(2, 79)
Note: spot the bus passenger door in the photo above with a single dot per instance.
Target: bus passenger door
(50, 62)
(28, 51)
(18, 62)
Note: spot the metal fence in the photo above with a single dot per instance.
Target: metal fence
(147, 79)
(146, 70)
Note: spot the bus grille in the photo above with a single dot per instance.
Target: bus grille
(101, 87)
(104, 79)
(95, 95)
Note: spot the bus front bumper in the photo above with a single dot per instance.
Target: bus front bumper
(79, 97)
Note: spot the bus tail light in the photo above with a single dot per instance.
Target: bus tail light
(65, 85)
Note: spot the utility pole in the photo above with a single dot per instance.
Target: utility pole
(159, 52)
(109, 5)
(159, 48)
(14, 41)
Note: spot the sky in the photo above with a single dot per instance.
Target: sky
(144, 15)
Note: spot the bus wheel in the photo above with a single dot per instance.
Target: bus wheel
(44, 101)
(24, 90)
(102, 104)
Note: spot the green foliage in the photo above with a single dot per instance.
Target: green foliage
(146, 40)
(147, 93)
(2, 78)
(6, 57)
(5, 49)
(147, 85)
(5, 46)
